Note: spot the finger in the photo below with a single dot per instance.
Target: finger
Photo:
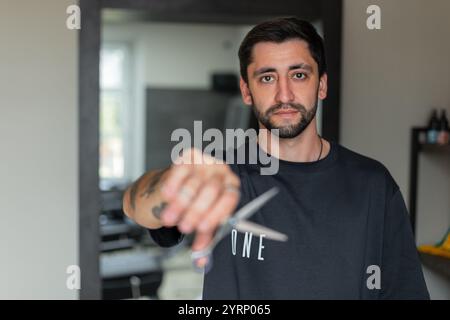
(185, 195)
(201, 241)
(185, 165)
(221, 210)
(176, 176)
(200, 206)
(190, 156)
(201, 262)
(231, 179)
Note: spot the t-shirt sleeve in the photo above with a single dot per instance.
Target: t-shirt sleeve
(401, 271)
(166, 237)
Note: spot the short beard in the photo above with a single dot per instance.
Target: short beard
(288, 131)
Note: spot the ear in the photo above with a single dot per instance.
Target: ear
(245, 92)
(323, 86)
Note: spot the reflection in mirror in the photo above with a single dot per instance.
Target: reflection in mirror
(115, 100)
(156, 77)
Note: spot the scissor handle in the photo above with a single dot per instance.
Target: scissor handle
(197, 255)
(207, 252)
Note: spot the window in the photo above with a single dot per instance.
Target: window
(115, 112)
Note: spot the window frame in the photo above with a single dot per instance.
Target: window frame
(127, 113)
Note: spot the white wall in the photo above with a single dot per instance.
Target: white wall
(178, 55)
(171, 55)
(38, 140)
(391, 80)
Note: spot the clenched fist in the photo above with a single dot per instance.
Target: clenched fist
(199, 193)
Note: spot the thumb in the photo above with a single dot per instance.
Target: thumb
(201, 241)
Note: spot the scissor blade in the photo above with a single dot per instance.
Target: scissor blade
(251, 207)
(248, 226)
(243, 213)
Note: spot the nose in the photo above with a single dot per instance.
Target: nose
(284, 92)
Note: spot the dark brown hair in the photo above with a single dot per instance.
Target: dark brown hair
(280, 30)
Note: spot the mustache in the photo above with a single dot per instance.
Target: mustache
(280, 106)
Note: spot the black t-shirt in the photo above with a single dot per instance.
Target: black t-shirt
(345, 218)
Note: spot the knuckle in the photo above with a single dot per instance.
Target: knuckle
(215, 183)
(233, 199)
(234, 178)
(177, 170)
(226, 168)
(197, 208)
(188, 218)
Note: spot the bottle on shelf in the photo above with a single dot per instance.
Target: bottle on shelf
(433, 127)
(443, 135)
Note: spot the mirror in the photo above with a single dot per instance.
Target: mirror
(156, 76)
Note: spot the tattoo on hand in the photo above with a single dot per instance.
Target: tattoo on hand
(158, 209)
(134, 190)
(151, 187)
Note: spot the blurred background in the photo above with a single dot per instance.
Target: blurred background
(85, 112)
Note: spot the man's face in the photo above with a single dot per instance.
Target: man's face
(283, 86)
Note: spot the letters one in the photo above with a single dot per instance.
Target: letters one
(246, 245)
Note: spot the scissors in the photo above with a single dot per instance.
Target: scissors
(239, 222)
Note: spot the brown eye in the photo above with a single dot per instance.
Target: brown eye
(299, 75)
(266, 79)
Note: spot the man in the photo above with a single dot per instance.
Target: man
(348, 228)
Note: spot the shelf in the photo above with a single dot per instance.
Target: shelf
(417, 146)
(434, 147)
(437, 263)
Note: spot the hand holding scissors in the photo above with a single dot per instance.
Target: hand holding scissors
(239, 222)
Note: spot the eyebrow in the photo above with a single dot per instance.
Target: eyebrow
(303, 66)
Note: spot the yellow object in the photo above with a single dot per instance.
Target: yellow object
(442, 248)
